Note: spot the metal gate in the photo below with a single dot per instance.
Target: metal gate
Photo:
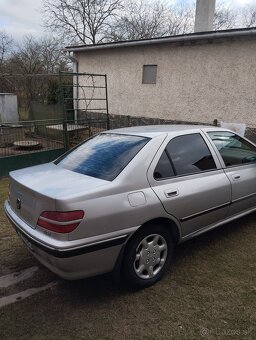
(85, 105)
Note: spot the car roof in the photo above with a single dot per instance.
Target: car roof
(152, 131)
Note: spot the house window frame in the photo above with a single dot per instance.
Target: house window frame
(148, 78)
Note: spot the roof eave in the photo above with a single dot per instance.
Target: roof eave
(180, 39)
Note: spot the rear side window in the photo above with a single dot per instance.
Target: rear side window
(103, 156)
(234, 149)
(164, 168)
(184, 155)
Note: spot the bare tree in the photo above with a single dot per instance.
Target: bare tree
(249, 16)
(225, 16)
(84, 21)
(33, 56)
(140, 19)
(54, 58)
(5, 46)
(27, 58)
(25, 62)
(95, 21)
(181, 18)
(30, 61)
(143, 19)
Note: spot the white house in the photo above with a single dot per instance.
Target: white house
(195, 77)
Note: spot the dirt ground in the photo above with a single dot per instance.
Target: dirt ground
(209, 292)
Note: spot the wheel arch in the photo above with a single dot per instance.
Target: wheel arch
(168, 224)
(125, 270)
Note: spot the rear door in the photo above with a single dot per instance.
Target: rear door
(188, 179)
(239, 158)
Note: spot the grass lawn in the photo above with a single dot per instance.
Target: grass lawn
(209, 292)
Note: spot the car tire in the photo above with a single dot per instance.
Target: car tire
(147, 256)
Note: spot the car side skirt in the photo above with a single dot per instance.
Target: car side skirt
(215, 225)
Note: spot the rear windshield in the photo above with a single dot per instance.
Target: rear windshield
(103, 156)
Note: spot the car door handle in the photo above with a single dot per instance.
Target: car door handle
(171, 193)
(236, 177)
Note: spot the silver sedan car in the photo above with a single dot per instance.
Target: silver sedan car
(123, 198)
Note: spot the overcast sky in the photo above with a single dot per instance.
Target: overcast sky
(22, 17)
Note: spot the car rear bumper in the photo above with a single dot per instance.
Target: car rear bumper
(73, 262)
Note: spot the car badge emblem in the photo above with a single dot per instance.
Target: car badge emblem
(18, 203)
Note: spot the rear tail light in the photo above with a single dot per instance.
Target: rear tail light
(60, 222)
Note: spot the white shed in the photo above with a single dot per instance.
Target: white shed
(8, 108)
(196, 77)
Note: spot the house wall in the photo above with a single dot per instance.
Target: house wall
(198, 83)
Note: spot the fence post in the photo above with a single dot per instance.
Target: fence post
(65, 135)
(64, 123)
(106, 89)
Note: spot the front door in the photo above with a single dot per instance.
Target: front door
(239, 157)
(189, 181)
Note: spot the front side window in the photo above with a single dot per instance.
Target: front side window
(103, 156)
(190, 154)
(233, 149)
(184, 155)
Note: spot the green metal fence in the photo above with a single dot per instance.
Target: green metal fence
(28, 143)
(55, 112)
(35, 142)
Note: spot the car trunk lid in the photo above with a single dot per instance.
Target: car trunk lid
(36, 189)
(28, 203)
